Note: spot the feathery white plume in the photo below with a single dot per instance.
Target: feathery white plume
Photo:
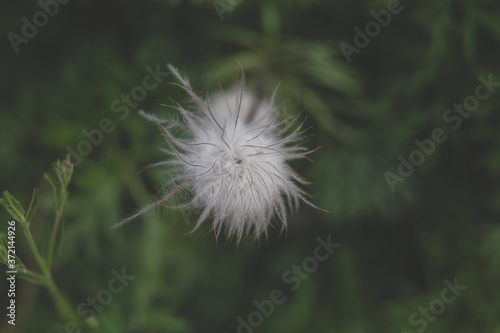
(232, 158)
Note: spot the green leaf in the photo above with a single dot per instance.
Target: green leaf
(19, 264)
(13, 206)
(33, 206)
(31, 277)
(4, 253)
(51, 180)
(64, 171)
(55, 185)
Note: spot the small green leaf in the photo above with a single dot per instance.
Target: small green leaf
(55, 185)
(31, 277)
(58, 168)
(4, 253)
(51, 180)
(19, 264)
(64, 171)
(33, 206)
(13, 206)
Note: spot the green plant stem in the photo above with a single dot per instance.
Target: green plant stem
(63, 306)
(53, 237)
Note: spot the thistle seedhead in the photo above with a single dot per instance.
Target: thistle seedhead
(231, 154)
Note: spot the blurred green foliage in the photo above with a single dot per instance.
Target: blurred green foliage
(397, 247)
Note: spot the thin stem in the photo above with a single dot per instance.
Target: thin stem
(57, 222)
(64, 307)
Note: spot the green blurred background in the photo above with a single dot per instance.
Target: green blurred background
(397, 247)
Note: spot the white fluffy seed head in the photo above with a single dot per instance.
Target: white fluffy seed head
(232, 156)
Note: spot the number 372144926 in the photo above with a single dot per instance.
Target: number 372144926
(11, 244)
